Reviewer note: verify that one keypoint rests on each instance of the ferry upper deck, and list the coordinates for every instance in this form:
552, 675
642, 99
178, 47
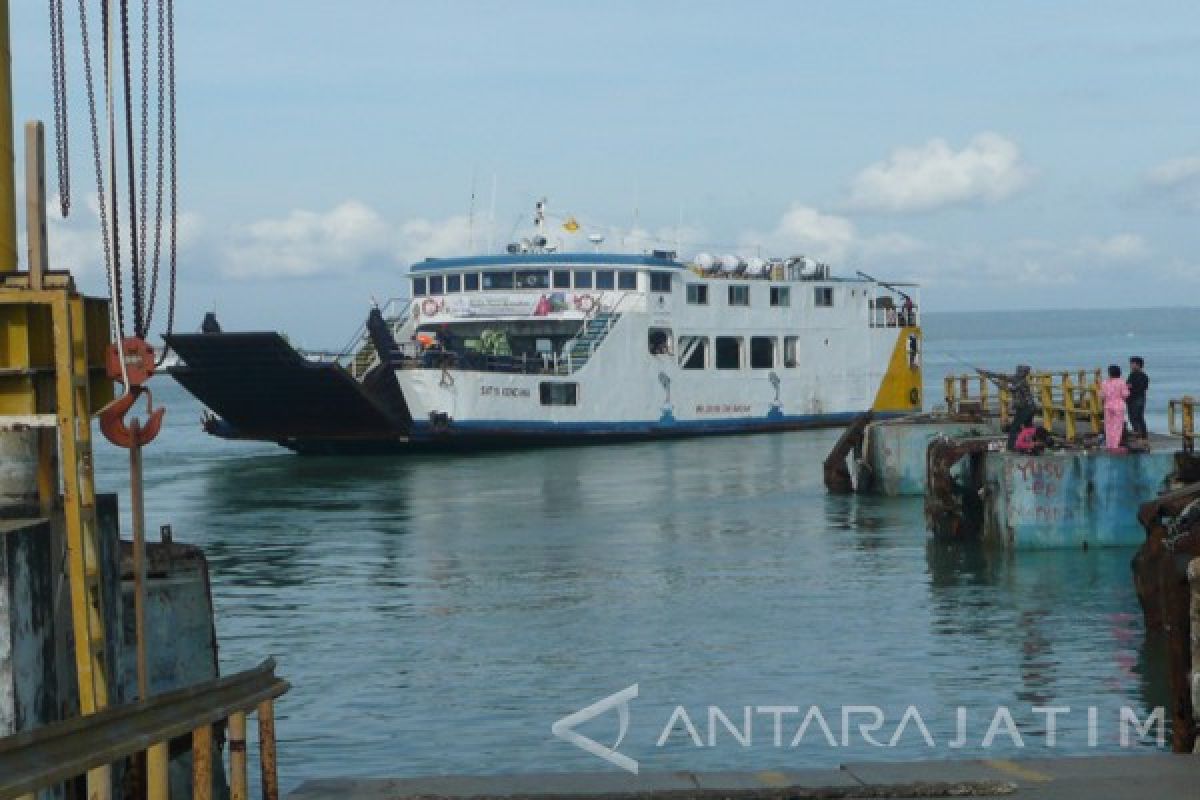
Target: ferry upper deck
573, 285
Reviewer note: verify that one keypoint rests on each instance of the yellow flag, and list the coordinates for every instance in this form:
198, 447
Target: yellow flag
571, 225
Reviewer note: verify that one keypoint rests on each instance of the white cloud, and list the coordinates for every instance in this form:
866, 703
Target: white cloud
349, 237
934, 175
805, 230
1175, 172
1120, 247
307, 242
1178, 180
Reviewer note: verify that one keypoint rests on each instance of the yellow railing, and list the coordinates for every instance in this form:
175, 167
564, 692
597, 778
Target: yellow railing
1067, 399
1070, 398
974, 392
1181, 420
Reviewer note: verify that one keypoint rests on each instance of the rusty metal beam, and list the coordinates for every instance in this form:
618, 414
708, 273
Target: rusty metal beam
837, 475
53, 754
1160, 577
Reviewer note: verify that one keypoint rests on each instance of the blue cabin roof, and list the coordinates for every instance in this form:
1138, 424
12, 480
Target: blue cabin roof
534, 260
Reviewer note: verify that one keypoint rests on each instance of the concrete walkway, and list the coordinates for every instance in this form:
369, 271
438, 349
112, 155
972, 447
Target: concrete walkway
1161, 776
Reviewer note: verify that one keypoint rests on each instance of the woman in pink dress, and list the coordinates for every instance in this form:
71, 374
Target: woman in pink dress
1113, 392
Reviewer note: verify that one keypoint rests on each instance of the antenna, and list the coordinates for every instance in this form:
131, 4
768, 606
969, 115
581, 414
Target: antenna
471, 216
492, 220
636, 214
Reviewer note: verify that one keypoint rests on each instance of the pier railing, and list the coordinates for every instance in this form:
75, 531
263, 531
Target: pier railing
1181, 421
1069, 399
49, 756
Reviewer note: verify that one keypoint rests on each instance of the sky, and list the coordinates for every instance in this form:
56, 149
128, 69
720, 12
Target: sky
1005, 155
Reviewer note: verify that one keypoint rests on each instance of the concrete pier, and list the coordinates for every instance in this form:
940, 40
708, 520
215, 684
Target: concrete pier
1168, 777
893, 460
1069, 498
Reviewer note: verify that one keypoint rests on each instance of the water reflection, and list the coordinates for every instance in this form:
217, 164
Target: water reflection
437, 614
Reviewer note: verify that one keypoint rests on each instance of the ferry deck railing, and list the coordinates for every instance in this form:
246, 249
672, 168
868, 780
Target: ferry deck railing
1069, 399
46, 757
595, 342
358, 355
1181, 421
884, 317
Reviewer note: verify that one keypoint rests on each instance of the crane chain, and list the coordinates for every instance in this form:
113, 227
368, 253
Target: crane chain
136, 277
58, 78
143, 133
174, 195
114, 275
156, 256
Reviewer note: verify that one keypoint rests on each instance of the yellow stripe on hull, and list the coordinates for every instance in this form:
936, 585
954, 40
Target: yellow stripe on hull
900, 389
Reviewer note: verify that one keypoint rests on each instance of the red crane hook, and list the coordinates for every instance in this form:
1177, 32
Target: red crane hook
138, 360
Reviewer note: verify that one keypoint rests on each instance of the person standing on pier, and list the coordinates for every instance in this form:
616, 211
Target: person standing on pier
1114, 392
1139, 383
1021, 394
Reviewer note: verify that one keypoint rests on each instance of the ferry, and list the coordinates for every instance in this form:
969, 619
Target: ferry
537, 346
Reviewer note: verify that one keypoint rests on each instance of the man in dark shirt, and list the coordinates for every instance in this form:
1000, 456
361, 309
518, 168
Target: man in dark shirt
1020, 395
1138, 382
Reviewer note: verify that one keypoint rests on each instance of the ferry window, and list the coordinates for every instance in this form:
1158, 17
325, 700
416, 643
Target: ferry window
823, 296
605, 279
583, 279
436, 284
697, 294
762, 352
659, 341
533, 279
471, 282
739, 295
660, 281
453, 283
626, 280
781, 295
418, 287
693, 352
562, 279
729, 352
559, 394
791, 351
497, 280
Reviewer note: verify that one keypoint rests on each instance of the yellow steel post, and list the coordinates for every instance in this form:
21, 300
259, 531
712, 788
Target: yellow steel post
8, 191
949, 385
983, 393
1094, 407
1046, 395
79, 509
157, 772
1068, 393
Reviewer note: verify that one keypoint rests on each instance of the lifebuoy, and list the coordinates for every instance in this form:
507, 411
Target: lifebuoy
429, 306
585, 303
